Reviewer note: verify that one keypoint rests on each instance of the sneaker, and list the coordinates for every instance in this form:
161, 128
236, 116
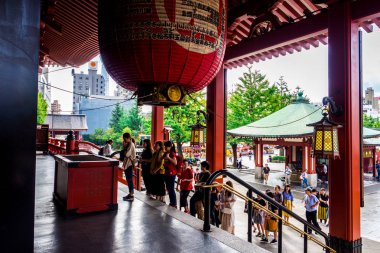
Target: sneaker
258, 234
129, 198
273, 241
264, 240
125, 197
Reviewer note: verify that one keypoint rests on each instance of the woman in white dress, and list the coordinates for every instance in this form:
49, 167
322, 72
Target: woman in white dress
228, 200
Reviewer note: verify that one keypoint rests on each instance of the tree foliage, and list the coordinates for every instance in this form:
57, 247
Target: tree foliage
121, 121
41, 108
116, 118
180, 118
134, 120
370, 122
254, 98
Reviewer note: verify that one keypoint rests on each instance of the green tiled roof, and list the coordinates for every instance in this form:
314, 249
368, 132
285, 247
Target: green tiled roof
370, 133
288, 122
372, 142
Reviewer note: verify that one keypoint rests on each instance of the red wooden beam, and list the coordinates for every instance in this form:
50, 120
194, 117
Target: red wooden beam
367, 26
297, 47
304, 29
296, 7
376, 21
287, 11
364, 10
309, 5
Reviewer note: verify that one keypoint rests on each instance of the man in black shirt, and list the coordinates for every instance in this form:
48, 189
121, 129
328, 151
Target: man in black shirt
198, 195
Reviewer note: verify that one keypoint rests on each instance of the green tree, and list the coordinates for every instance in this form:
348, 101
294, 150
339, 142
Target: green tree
181, 117
254, 98
41, 108
116, 118
133, 120
370, 122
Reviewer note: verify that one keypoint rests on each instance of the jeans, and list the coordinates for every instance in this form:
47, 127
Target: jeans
170, 182
196, 197
214, 216
311, 217
183, 198
304, 181
129, 177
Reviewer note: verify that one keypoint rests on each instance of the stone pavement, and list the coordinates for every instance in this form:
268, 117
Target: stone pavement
140, 226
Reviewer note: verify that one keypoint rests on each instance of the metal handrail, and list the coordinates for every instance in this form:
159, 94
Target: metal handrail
266, 210
307, 225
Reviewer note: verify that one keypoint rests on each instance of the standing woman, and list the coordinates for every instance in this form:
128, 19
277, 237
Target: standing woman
288, 201
186, 185
170, 165
228, 215
128, 162
157, 172
323, 205
146, 157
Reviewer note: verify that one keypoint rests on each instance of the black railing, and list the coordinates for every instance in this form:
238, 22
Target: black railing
281, 208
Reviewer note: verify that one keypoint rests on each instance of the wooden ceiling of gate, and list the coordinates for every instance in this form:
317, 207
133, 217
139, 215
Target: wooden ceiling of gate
69, 28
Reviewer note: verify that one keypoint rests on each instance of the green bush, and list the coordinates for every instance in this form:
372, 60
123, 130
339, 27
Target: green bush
278, 158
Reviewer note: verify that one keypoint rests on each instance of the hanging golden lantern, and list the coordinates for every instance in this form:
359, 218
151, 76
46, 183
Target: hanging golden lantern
197, 131
325, 139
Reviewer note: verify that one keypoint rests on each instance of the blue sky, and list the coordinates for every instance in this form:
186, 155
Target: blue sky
307, 69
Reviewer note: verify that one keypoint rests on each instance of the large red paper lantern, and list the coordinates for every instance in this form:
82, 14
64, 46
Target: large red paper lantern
162, 48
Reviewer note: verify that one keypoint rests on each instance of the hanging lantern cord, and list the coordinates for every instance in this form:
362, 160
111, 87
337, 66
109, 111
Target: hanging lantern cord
205, 115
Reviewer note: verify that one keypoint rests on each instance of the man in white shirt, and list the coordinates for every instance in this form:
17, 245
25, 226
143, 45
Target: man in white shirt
288, 173
128, 162
107, 149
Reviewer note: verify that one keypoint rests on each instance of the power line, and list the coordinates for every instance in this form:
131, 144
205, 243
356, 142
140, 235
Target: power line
97, 108
71, 92
51, 71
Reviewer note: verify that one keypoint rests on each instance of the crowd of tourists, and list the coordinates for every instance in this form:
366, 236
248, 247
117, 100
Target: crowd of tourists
316, 207
161, 167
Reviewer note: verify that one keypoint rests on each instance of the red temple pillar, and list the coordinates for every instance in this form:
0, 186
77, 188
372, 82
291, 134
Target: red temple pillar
308, 163
258, 159
344, 175
216, 125
157, 124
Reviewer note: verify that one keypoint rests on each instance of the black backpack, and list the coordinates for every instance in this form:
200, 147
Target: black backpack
101, 151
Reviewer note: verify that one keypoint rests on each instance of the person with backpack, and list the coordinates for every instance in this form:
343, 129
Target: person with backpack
170, 164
